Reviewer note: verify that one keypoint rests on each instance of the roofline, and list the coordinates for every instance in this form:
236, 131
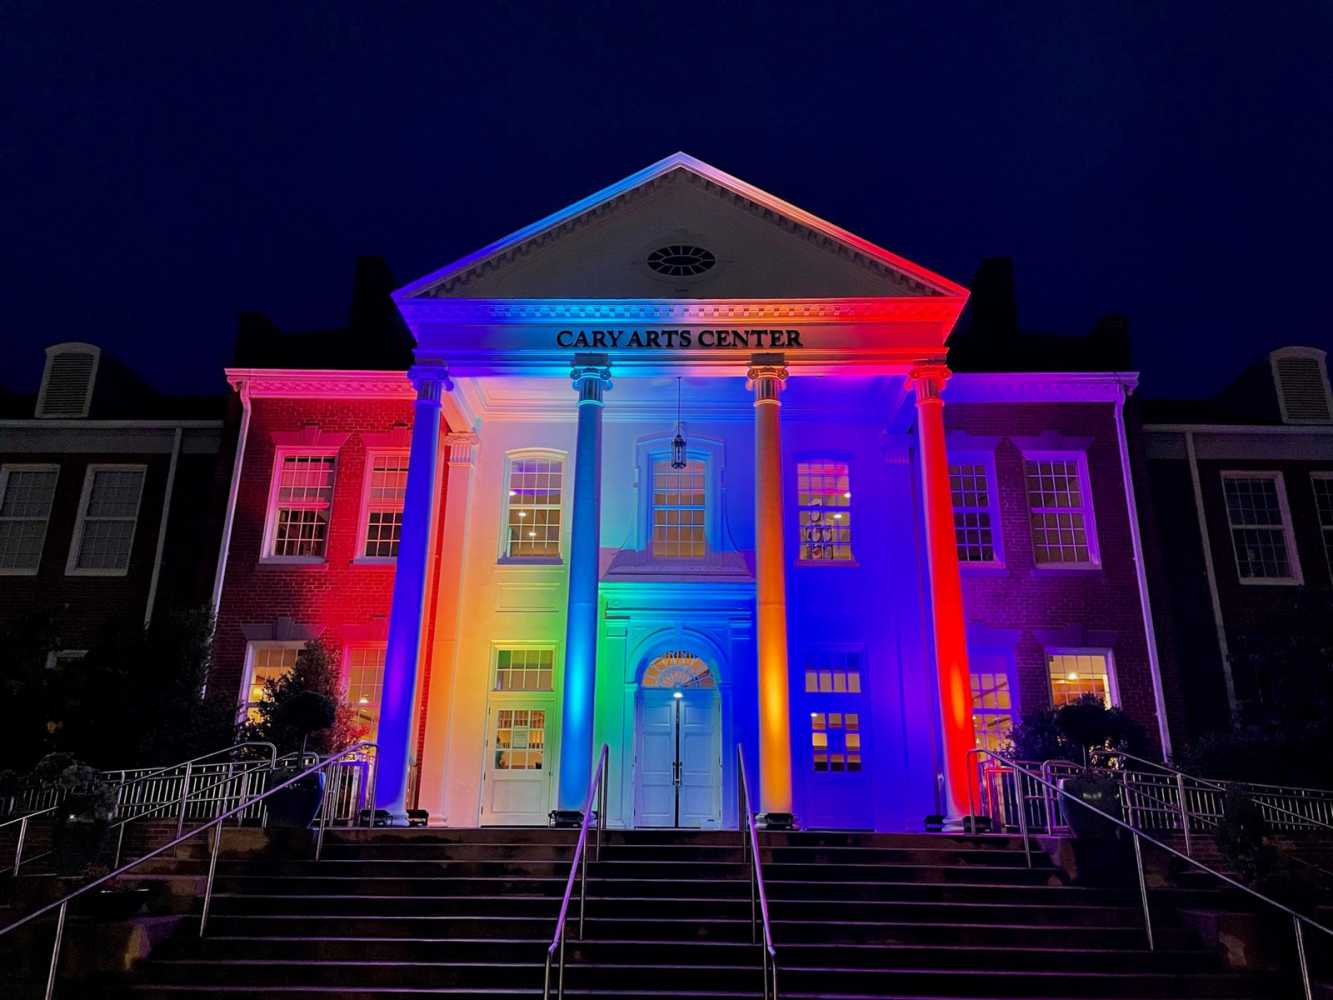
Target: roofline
683, 160
1321, 429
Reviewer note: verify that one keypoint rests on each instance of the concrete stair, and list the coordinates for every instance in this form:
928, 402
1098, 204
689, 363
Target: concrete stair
468, 914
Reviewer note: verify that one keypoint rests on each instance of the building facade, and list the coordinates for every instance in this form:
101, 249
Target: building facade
105, 497
677, 469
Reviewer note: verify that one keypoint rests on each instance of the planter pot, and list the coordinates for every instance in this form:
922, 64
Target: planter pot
1084, 823
117, 903
297, 805
77, 837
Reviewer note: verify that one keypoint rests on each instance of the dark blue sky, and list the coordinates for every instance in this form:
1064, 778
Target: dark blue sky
166, 166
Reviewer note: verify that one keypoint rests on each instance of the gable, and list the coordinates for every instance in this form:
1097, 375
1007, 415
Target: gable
681, 230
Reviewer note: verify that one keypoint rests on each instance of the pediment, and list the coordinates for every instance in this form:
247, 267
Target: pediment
681, 229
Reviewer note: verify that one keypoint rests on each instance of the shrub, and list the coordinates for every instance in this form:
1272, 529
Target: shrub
1070, 731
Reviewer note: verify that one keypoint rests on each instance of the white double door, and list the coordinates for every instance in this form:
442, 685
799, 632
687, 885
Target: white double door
678, 759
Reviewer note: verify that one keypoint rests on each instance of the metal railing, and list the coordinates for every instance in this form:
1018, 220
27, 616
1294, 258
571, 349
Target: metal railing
1299, 920
578, 869
758, 896
61, 906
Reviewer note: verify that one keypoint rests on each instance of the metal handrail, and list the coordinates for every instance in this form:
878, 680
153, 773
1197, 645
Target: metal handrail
1299, 920
750, 847
23, 834
215, 824
596, 792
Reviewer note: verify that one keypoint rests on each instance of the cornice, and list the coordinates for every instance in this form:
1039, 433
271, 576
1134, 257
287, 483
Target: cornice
876, 309
1039, 387
293, 383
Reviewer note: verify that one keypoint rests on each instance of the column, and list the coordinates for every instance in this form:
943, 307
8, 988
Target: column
766, 376
461, 449
403, 654
591, 376
946, 587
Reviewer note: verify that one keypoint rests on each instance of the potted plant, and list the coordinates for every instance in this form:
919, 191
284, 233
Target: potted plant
87, 802
304, 712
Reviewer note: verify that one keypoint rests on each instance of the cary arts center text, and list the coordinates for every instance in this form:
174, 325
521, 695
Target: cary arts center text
679, 339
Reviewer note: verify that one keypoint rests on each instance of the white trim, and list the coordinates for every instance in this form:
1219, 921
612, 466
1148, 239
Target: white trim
1311, 354
280, 453
1294, 578
1210, 568
1080, 458
76, 540
365, 507
5, 470
986, 459
55, 351
162, 528
1112, 682
1222, 430
243, 704
64, 423
502, 552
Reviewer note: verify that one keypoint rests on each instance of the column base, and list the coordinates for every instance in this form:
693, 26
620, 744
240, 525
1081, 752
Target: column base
937, 823
387, 817
776, 821
564, 819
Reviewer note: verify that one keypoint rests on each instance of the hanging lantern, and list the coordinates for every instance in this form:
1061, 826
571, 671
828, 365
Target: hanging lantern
678, 460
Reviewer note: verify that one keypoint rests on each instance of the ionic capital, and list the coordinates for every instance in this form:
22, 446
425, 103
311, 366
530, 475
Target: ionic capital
591, 375
928, 378
461, 447
766, 376
431, 381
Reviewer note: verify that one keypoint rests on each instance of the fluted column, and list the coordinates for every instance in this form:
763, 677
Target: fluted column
766, 377
402, 656
591, 376
946, 587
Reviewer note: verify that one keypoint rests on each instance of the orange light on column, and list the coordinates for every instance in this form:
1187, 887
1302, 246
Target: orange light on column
946, 588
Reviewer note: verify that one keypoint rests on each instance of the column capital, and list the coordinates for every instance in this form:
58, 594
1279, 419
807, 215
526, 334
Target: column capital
431, 381
462, 447
591, 376
766, 376
928, 378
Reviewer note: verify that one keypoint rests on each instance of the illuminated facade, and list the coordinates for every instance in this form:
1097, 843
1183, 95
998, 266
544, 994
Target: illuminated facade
852, 562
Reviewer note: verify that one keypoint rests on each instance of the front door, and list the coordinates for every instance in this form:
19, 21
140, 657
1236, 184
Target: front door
678, 760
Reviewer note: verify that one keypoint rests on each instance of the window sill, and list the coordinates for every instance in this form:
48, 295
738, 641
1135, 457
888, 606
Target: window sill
983, 568
1274, 581
98, 572
1063, 569
292, 561
18, 572
375, 561
529, 561
828, 563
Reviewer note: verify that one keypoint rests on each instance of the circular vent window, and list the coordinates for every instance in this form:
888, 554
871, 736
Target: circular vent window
681, 260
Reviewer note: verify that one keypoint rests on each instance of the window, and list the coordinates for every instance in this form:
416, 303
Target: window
1323, 499
532, 521
821, 681
268, 663
678, 510
386, 486
973, 514
992, 709
524, 669
677, 668
1260, 527
1060, 511
26, 492
1077, 673
104, 533
302, 500
835, 741
520, 739
365, 685
824, 506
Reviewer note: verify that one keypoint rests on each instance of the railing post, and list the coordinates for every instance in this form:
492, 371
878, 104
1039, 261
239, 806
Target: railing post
1143, 892
560, 982
1300, 955
1184, 813
185, 798
120, 842
212, 871
1023, 818
18, 851
55, 951
583, 886
323, 812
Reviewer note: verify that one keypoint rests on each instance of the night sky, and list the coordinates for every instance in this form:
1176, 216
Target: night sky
166, 166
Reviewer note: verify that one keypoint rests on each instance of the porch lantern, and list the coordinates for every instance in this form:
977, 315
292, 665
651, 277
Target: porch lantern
678, 460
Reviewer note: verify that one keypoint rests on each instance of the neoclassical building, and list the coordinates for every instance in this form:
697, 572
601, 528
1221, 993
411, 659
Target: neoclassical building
677, 468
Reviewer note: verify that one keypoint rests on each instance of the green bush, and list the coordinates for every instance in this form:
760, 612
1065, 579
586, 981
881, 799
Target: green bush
1072, 730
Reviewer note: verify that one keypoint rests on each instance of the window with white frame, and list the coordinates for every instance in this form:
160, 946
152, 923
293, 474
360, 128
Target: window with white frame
532, 513
1059, 511
992, 709
386, 488
824, 511
679, 508
1323, 499
520, 739
108, 510
524, 669
835, 741
26, 493
973, 512
302, 502
1260, 527
1077, 673
267, 663
365, 685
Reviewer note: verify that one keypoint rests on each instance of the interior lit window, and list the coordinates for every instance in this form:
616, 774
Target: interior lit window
532, 519
824, 511
835, 741
992, 710
269, 663
301, 510
679, 506
520, 739
1074, 675
365, 685
524, 669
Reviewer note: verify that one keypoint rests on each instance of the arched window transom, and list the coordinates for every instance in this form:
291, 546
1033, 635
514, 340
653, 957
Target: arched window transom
678, 668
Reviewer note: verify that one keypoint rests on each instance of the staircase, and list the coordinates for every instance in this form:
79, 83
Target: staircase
468, 914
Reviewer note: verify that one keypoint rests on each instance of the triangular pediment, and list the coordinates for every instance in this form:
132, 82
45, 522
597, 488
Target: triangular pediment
681, 229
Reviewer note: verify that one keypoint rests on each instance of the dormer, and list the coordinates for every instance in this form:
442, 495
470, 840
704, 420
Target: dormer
1300, 379
67, 382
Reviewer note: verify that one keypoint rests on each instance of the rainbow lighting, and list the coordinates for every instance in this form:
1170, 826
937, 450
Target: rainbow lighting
827, 552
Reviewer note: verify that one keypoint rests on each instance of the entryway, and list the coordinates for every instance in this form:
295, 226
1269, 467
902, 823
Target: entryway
678, 746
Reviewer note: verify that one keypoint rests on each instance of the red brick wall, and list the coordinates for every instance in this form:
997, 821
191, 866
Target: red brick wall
1104, 602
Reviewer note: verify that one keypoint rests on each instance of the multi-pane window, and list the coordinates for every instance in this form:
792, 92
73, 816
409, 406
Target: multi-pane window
523, 669
384, 505
365, 685
532, 527
1323, 498
520, 739
835, 741
25, 507
1059, 512
824, 511
832, 681
268, 664
1074, 675
105, 530
301, 517
972, 517
1257, 516
678, 510
992, 710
